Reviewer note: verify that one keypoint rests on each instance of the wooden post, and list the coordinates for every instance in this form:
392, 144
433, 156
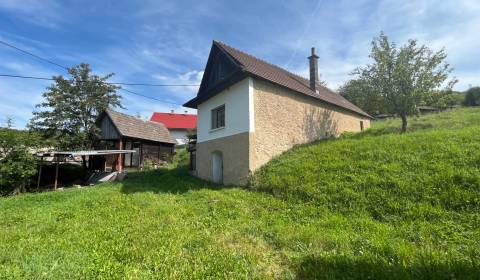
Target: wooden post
39, 173
56, 175
119, 163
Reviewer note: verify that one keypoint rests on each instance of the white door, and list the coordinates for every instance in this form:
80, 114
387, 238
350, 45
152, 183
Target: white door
217, 167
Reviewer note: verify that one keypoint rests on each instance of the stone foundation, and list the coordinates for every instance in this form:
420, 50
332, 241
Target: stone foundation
235, 154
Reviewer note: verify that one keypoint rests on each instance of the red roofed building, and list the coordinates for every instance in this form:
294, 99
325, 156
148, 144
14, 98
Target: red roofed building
177, 124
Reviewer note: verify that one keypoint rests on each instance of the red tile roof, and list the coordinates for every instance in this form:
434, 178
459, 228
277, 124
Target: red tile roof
282, 77
172, 120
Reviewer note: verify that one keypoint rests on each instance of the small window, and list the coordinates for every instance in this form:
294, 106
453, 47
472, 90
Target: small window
361, 125
218, 117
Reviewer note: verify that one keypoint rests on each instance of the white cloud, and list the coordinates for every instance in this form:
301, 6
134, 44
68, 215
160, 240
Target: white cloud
342, 34
44, 13
193, 77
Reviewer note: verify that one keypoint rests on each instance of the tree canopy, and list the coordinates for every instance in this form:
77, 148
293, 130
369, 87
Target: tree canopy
400, 79
361, 93
71, 107
472, 97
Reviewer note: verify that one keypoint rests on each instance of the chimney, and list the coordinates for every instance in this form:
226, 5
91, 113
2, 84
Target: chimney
313, 70
172, 111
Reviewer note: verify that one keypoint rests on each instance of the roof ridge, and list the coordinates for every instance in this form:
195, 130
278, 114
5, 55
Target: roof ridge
134, 117
270, 64
182, 114
283, 77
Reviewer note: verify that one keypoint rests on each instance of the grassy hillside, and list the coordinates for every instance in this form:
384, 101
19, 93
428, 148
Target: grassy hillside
372, 205
417, 194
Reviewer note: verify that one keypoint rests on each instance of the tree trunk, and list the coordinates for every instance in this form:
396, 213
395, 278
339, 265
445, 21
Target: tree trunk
84, 162
404, 123
20, 188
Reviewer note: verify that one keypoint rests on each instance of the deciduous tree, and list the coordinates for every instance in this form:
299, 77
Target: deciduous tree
71, 107
403, 78
361, 93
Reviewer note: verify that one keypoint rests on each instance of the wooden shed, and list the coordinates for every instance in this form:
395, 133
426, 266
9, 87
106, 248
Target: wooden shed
150, 140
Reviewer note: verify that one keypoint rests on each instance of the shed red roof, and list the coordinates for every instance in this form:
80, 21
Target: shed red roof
172, 120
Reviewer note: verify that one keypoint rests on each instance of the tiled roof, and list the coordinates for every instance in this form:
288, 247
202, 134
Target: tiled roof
282, 77
172, 120
130, 126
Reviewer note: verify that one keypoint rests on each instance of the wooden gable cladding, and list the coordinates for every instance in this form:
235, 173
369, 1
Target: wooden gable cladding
221, 71
108, 131
221, 67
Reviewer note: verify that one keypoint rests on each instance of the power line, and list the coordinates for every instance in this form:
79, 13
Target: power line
26, 77
153, 98
31, 54
155, 85
66, 68
110, 83
126, 90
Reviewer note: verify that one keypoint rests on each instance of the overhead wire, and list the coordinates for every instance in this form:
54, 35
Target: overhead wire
124, 89
111, 83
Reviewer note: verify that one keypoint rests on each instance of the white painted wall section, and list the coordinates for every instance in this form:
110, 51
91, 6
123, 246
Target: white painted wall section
238, 101
251, 108
180, 135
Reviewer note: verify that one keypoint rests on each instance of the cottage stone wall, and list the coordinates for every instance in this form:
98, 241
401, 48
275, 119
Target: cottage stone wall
284, 118
235, 154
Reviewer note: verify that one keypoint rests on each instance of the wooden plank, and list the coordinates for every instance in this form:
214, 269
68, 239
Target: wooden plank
56, 175
39, 173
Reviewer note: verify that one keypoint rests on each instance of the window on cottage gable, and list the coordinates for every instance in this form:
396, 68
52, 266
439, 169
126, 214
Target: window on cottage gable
218, 117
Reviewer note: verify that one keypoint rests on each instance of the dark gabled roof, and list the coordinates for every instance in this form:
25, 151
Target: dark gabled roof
129, 126
253, 66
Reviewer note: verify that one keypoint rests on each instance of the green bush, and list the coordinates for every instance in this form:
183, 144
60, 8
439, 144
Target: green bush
472, 97
17, 163
148, 165
181, 157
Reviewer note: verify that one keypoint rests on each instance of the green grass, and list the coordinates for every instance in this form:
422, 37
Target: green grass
372, 205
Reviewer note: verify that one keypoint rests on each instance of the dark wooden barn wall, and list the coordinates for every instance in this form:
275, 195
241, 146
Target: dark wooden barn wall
157, 152
109, 132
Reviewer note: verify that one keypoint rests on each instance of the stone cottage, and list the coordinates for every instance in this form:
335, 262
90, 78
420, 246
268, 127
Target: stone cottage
250, 111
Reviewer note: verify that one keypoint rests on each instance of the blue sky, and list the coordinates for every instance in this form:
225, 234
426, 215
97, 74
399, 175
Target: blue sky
168, 41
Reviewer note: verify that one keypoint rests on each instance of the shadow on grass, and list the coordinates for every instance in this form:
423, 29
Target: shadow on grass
345, 268
164, 180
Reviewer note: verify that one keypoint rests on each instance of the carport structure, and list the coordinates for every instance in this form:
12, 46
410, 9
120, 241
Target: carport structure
61, 156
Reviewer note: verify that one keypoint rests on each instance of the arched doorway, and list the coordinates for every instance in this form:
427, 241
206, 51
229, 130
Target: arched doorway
217, 167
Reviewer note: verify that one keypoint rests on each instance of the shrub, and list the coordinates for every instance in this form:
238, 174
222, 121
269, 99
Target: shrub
17, 163
472, 97
148, 165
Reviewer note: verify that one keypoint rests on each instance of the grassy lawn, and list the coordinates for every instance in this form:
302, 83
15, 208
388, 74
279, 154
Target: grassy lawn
372, 205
